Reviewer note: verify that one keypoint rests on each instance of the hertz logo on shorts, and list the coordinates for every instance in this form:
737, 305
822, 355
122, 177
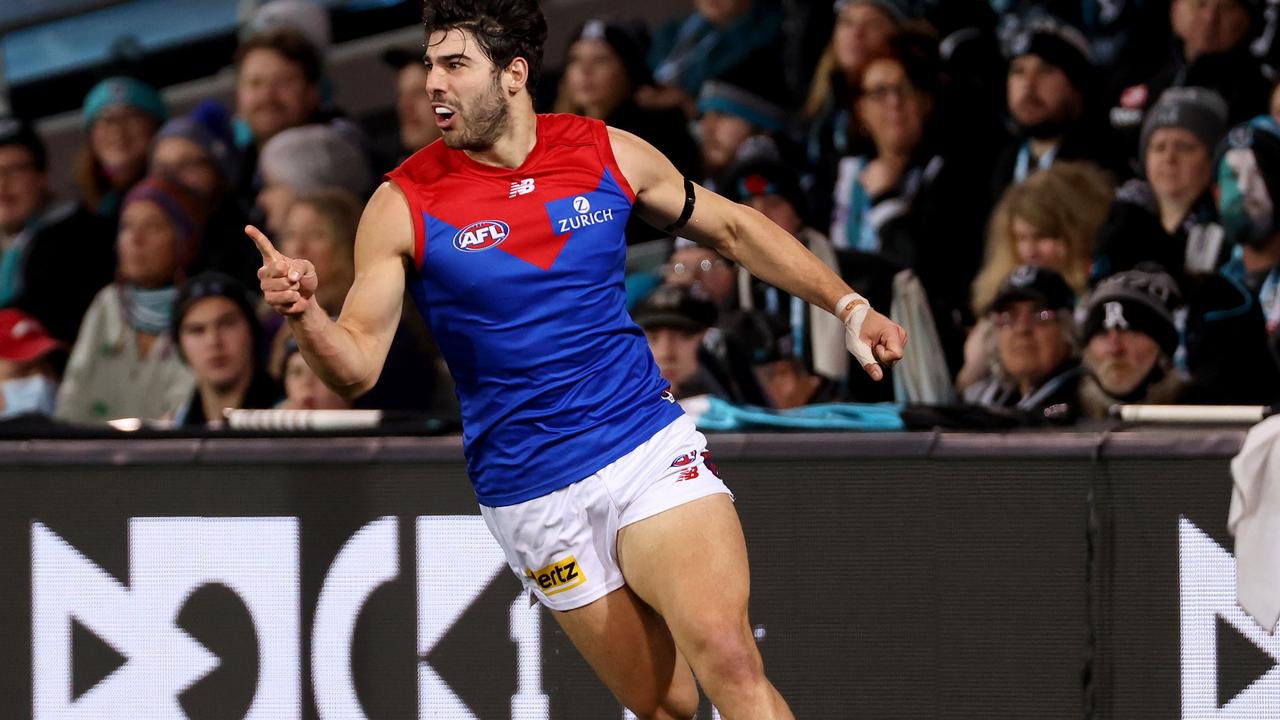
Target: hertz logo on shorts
558, 576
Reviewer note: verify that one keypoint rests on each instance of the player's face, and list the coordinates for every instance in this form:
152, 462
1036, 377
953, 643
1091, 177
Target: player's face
466, 91
1178, 165
217, 343
1120, 359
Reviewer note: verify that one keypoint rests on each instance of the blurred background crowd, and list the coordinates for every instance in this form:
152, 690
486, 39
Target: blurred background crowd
1068, 204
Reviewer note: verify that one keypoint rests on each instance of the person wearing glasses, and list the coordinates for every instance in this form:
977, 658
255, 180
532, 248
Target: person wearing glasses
1034, 351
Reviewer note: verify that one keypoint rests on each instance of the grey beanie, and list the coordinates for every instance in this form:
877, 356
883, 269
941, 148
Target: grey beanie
1199, 110
315, 156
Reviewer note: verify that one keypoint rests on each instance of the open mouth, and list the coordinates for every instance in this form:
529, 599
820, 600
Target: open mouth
444, 116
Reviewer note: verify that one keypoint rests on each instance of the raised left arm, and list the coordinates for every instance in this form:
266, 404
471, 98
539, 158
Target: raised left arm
743, 235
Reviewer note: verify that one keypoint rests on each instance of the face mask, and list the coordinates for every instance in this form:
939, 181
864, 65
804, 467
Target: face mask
31, 394
1245, 206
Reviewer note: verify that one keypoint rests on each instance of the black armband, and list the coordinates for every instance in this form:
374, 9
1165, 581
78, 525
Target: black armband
686, 213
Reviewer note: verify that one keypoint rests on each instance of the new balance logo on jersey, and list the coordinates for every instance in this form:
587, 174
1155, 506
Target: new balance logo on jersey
481, 235
524, 187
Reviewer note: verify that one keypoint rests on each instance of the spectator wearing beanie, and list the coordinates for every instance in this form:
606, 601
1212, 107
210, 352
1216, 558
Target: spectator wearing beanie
1169, 216
124, 362
1049, 86
740, 112
773, 188
1209, 48
1035, 368
716, 37
604, 68
37, 236
675, 321
121, 115
306, 158
217, 334
767, 341
198, 151
1130, 338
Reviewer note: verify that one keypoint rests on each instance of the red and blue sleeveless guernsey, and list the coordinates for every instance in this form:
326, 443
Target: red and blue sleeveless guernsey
519, 274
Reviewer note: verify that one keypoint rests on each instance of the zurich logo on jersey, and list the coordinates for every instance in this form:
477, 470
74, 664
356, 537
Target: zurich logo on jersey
481, 235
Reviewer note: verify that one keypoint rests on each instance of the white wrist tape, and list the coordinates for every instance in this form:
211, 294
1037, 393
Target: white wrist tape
853, 319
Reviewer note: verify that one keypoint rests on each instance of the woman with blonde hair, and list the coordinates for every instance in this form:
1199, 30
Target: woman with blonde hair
1048, 220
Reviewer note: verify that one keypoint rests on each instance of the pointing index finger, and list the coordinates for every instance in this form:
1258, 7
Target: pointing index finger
269, 252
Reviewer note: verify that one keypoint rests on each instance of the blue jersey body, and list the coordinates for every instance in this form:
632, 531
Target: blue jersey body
520, 277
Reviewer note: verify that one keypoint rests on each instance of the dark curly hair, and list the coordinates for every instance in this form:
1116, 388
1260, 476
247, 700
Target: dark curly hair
504, 29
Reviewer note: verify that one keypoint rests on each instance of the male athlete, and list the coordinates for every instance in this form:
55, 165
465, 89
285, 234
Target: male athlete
591, 478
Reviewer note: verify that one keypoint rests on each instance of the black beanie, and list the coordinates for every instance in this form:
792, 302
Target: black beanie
628, 39
1060, 45
1139, 301
215, 284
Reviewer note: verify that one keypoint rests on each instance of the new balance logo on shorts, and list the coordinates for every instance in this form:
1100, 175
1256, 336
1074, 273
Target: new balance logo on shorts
688, 474
558, 576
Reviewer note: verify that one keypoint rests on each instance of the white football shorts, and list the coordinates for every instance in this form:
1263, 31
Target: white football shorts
563, 546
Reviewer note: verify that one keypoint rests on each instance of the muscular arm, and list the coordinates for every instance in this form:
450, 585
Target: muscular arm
348, 354
744, 235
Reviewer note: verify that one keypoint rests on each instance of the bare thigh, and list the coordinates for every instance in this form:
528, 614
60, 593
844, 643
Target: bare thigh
631, 650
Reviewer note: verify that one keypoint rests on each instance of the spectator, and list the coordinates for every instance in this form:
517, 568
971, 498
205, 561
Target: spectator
124, 362
303, 389
198, 151
1048, 220
1034, 350
307, 158
738, 120
1051, 79
416, 118
277, 88
24, 194
719, 35
862, 31
121, 116
218, 336
37, 236
1210, 49
774, 189
913, 202
320, 225
30, 364
675, 321
1248, 173
770, 347
1130, 338
605, 67
1169, 217
309, 19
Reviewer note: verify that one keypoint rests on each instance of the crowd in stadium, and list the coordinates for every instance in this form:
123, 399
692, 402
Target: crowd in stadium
1068, 204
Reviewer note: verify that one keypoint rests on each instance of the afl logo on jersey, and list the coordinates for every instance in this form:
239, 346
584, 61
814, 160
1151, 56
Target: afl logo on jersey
481, 235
